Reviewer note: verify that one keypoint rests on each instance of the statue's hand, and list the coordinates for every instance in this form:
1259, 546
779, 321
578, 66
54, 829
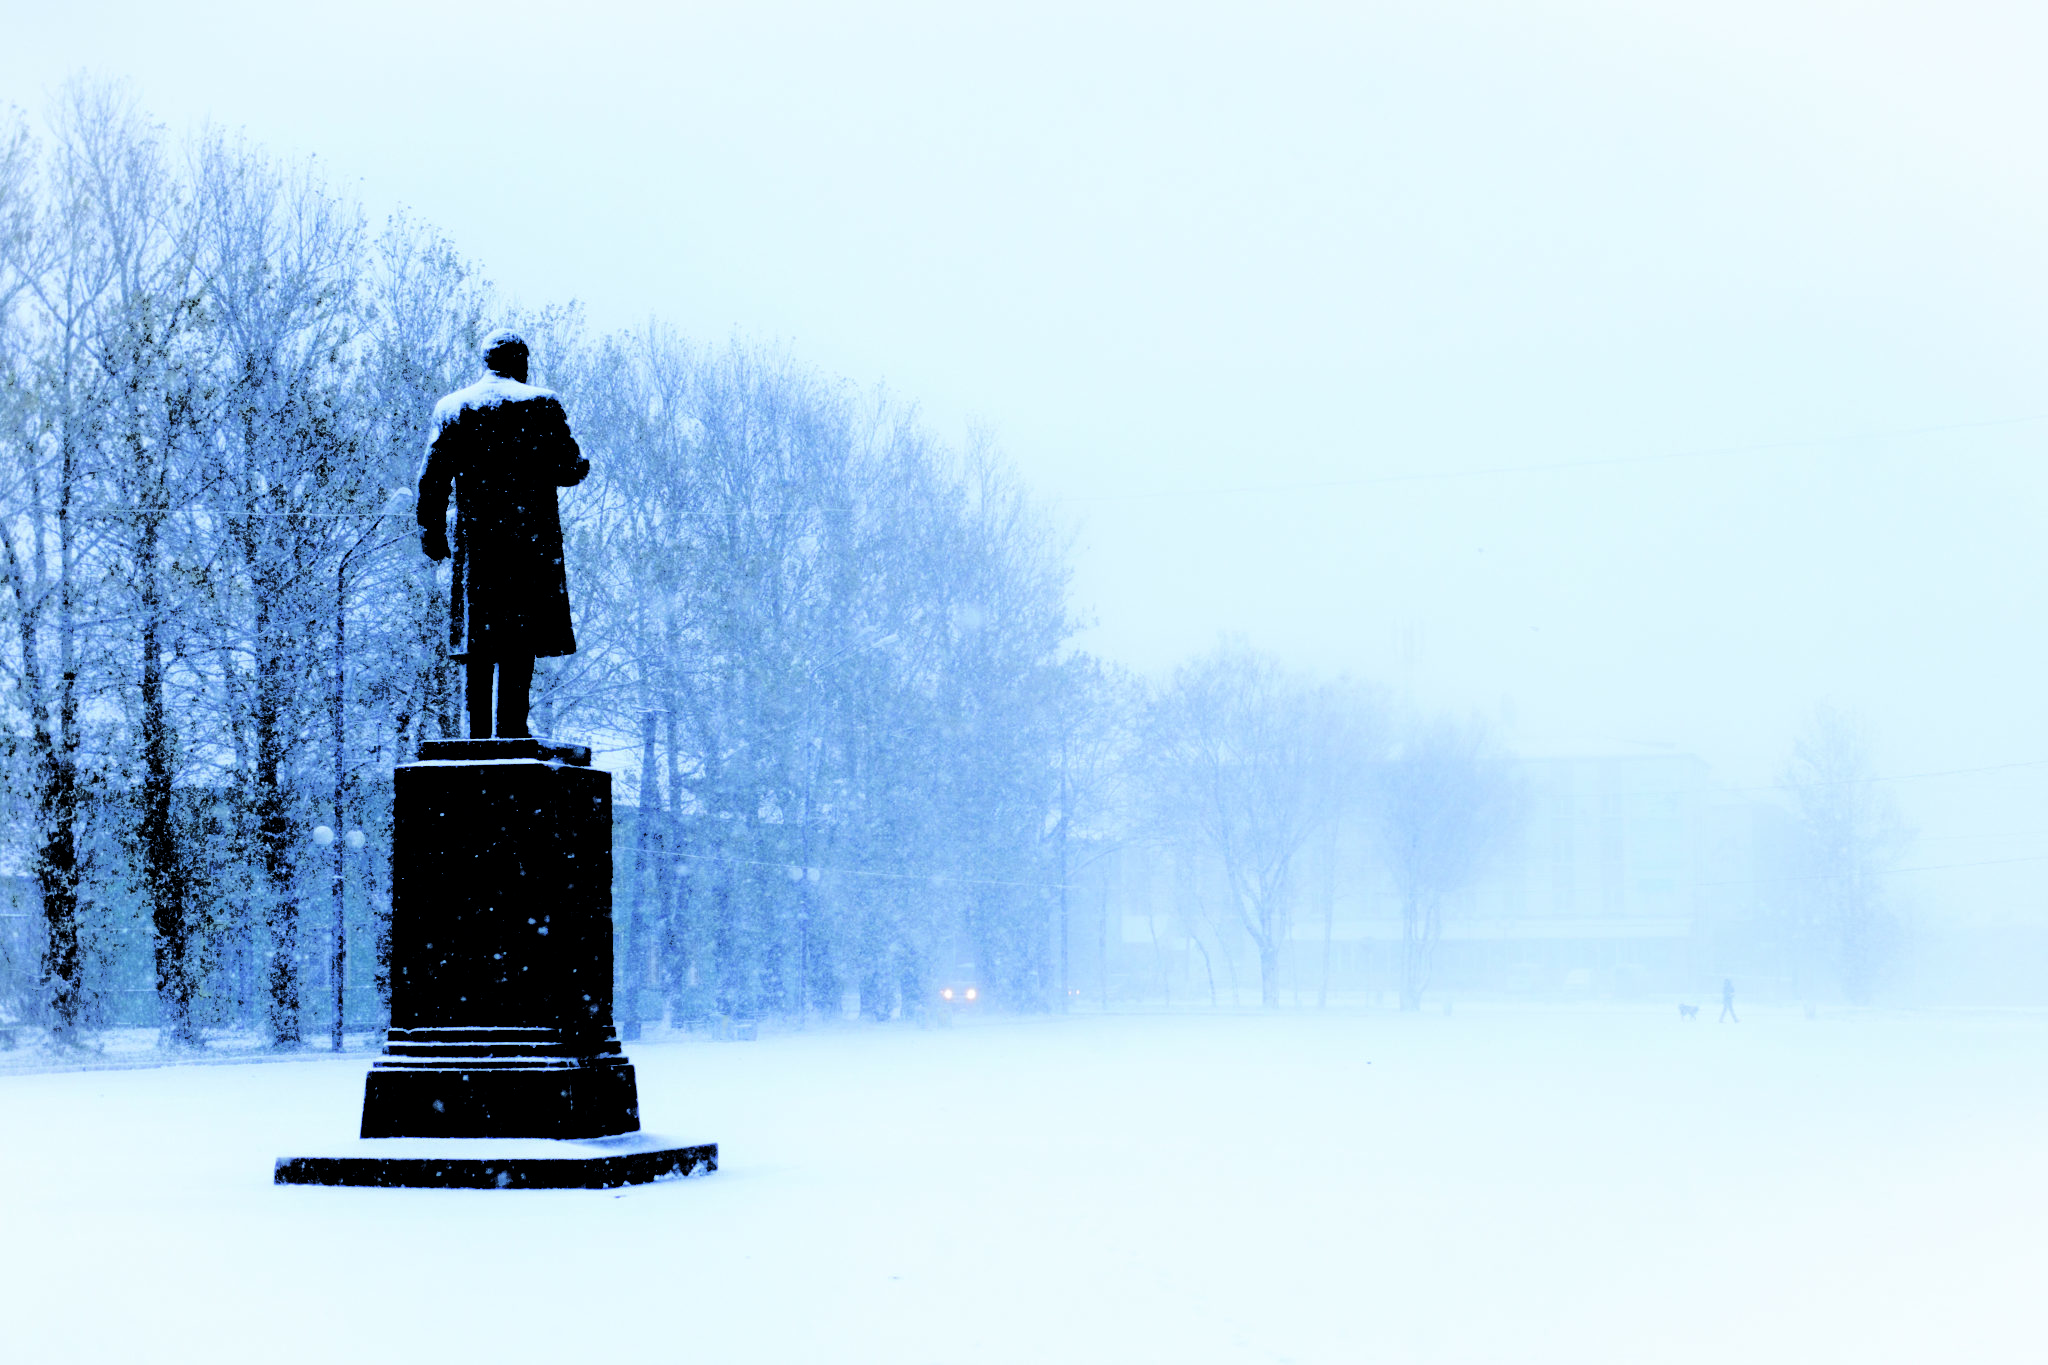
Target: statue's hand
434, 540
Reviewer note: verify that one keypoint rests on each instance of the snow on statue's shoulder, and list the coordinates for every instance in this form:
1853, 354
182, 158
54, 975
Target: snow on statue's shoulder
487, 392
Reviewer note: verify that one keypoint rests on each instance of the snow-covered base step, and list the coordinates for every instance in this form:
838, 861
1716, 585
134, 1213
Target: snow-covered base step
502, 1163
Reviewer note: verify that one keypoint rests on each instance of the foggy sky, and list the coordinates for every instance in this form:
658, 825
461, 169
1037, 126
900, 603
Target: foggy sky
1747, 295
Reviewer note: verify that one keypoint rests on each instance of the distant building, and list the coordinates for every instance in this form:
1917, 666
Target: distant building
1632, 873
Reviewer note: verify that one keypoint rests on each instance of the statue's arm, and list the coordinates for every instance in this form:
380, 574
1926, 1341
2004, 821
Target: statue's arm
570, 466
436, 481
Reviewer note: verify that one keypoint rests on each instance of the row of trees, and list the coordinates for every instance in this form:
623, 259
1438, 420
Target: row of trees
212, 381
832, 650
842, 651
830, 657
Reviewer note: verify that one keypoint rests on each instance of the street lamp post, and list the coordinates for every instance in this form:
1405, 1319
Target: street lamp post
337, 948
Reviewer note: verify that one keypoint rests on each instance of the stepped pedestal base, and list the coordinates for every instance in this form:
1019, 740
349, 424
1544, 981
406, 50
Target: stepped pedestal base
501, 1069
489, 1097
502, 1163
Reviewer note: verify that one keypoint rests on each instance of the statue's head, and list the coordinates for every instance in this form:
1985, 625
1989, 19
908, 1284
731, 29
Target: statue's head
505, 354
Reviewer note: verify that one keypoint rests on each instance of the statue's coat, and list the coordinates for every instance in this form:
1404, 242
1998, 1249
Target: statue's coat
503, 447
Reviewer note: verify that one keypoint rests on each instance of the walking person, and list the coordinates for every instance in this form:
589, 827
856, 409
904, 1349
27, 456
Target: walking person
1727, 1001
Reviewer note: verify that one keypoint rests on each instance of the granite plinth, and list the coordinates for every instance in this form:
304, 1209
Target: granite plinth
501, 950
502, 1163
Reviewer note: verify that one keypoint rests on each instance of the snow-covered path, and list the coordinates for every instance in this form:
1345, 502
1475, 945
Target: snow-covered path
1600, 1185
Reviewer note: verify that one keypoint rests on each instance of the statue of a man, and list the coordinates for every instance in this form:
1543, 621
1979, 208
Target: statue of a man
504, 447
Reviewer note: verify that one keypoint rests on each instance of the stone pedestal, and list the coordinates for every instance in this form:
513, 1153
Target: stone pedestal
501, 982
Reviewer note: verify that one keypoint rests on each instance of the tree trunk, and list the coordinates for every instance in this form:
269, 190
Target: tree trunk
1102, 947
643, 846
57, 876
57, 860
1159, 960
163, 875
274, 837
657, 938
1065, 991
1411, 954
337, 961
379, 892
1329, 914
678, 952
1269, 973
1421, 927
1230, 966
54, 863
1208, 967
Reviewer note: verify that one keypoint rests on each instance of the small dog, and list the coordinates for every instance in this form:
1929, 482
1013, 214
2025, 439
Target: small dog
1688, 1011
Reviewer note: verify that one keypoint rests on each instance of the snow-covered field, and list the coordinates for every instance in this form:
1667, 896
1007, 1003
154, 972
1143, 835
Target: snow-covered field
1510, 1185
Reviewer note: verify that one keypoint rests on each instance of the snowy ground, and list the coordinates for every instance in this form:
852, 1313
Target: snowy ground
1595, 1185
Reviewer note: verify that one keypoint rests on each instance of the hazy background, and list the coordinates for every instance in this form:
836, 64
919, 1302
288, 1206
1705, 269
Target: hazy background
1638, 378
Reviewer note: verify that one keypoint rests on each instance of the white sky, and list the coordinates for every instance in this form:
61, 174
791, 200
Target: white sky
1196, 266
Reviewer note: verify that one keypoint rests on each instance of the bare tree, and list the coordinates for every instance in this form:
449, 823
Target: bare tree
58, 266
1443, 802
1851, 834
426, 310
280, 258
148, 343
1245, 762
1094, 709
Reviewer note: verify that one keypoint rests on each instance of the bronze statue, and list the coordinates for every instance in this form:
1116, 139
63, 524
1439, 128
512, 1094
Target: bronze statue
503, 446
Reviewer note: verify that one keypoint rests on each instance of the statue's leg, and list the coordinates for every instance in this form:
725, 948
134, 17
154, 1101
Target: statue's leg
515, 681
479, 697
